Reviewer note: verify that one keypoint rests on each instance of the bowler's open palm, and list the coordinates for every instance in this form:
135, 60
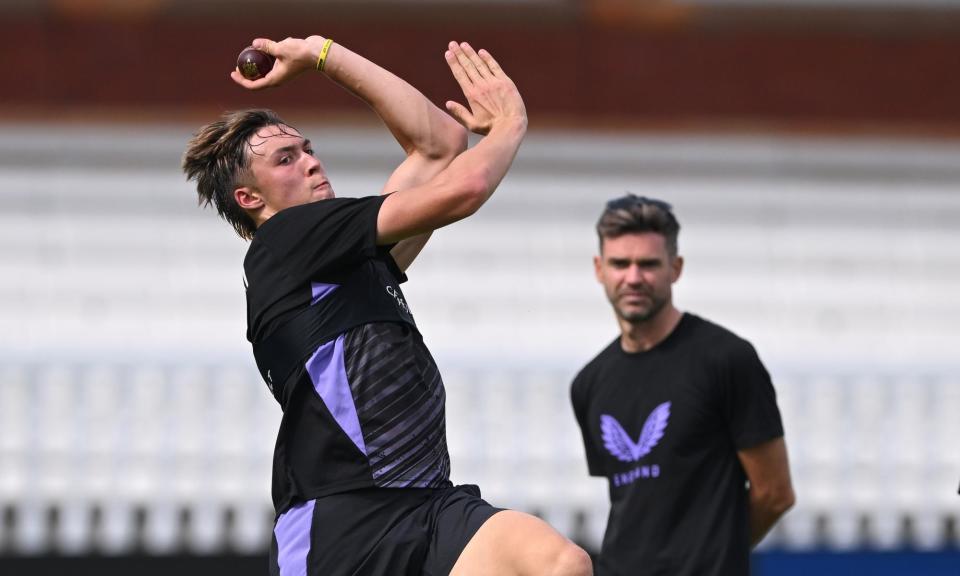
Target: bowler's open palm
491, 95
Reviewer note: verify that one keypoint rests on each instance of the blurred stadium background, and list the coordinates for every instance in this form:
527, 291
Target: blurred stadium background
811, 149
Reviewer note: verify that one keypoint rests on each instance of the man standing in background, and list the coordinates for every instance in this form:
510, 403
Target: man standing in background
679, 415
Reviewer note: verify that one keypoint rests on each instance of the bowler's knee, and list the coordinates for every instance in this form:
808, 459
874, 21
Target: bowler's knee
572, 560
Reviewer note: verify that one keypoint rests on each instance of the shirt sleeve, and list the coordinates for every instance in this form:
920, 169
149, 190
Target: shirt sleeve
578, 397
750, 402
326, 235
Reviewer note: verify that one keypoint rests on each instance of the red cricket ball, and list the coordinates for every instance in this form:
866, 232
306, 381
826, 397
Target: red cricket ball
253, 63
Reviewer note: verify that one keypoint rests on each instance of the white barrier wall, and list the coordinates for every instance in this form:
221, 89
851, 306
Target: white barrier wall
869, 451
131, 415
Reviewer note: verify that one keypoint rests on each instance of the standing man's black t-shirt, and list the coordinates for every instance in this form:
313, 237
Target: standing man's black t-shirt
363, 405
664, 426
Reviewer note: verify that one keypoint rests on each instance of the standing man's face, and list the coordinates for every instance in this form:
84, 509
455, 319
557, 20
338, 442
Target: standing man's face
285, 172
637, 274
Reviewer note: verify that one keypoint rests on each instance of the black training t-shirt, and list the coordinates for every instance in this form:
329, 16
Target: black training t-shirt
364, 407
663, 426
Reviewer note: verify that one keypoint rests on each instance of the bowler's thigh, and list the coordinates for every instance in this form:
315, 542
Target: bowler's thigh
512, 542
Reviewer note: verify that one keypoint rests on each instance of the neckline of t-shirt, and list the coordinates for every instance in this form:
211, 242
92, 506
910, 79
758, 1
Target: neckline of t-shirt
681, 325
284, 213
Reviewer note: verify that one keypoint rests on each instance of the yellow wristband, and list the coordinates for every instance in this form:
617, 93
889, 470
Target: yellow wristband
322, 60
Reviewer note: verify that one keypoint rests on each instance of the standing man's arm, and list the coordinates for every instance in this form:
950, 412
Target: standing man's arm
429, 136
771, 492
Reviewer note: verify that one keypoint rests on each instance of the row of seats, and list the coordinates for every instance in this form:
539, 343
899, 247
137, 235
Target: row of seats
215, 527
131, 415
124, 260
166, 437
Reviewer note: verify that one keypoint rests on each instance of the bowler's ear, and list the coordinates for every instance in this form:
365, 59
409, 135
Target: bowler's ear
247, 198
598, 267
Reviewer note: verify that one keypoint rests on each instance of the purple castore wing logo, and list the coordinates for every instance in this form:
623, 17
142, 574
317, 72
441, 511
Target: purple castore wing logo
622, 447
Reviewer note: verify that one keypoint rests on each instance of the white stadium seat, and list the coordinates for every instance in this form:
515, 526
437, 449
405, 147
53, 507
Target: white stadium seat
130, 403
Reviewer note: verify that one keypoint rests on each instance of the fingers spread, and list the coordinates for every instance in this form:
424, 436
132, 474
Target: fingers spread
479, 65
490, 94
461, 114
464, 60
456, 68
492, 64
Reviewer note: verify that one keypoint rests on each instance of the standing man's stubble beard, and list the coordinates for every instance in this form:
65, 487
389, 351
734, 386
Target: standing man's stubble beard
641, 316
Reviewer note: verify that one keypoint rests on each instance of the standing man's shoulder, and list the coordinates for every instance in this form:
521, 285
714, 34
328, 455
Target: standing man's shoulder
590, 371
745, 388
717, 340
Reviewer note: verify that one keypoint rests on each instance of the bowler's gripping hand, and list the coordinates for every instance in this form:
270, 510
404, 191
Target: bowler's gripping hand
491, 95
293, 56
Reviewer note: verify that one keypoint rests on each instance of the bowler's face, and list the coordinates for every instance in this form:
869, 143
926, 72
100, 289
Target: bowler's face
285, 171
637, 273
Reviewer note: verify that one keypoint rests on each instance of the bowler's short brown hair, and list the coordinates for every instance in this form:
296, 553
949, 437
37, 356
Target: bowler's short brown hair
216, 158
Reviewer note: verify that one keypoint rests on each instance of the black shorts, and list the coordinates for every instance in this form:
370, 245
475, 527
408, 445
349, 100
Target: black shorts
388, 531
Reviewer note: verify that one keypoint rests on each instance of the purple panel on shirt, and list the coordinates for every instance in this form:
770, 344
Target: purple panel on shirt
293, 539
329, 379
321, 291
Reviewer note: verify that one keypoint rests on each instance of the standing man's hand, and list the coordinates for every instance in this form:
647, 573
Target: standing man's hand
293, 57
491, 94
771, 491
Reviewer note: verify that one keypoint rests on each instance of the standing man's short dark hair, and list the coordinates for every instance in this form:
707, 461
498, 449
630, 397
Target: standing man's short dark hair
632, 214
678, 413
361, 472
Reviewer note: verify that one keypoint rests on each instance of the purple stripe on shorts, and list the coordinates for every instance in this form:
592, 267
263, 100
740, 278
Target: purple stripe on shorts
320, 291
329, 379
293, 539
